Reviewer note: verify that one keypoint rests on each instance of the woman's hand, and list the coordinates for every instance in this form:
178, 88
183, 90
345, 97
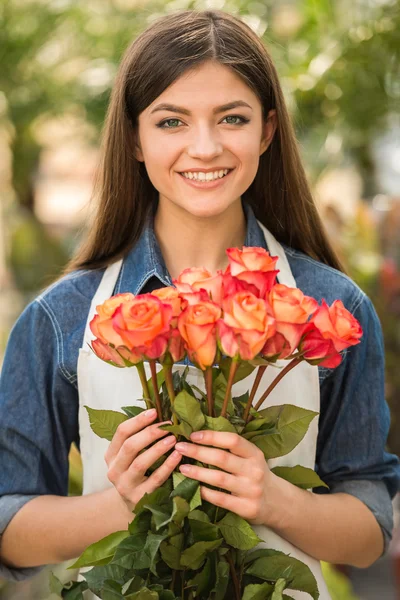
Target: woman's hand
127, 467
254, 490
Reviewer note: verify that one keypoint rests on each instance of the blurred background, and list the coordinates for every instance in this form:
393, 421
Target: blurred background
339, 66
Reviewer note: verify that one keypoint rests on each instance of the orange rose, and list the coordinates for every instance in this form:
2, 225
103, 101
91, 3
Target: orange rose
246, 325
250, 258
196, 279
170, 295
336, 323
253, 265
291, 309
101, 324
143, 324
197, 326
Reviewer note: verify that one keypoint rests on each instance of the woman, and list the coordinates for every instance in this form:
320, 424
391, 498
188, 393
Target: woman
198, 155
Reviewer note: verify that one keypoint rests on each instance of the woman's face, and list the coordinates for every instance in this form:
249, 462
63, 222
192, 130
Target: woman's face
196, 134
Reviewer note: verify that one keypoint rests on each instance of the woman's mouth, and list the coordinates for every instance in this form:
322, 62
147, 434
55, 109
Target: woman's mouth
203, 184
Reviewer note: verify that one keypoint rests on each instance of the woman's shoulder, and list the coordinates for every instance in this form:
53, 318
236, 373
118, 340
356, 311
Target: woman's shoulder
321, 281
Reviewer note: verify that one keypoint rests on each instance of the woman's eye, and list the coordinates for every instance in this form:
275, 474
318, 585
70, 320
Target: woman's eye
243, 120
163, 124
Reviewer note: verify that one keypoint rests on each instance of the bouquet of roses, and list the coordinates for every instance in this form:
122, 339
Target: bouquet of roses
180, 546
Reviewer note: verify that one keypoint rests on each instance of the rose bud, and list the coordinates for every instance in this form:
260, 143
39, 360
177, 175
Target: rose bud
196, 279
101, 324
336, 323
318, 350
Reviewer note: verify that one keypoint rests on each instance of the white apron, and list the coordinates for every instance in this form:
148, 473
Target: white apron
102, 386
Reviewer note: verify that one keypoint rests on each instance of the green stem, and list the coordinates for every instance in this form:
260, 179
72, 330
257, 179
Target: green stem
208, 377
233, 575
289, 367
145, 387
232, 373
260, 373
170, 389
155, 388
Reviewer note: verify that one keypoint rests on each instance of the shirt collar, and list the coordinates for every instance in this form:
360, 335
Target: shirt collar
145, 260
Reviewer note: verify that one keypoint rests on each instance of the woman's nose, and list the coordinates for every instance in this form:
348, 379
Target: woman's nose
205, 145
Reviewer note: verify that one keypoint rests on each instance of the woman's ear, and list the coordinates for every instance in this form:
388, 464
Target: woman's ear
269, 128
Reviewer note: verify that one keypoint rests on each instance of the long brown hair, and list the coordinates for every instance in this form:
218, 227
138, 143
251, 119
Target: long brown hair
279, 194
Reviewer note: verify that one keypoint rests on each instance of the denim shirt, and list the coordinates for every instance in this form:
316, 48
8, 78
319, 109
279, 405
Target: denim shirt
39, 394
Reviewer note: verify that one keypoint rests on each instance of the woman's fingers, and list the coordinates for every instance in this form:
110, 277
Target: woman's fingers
237, 444
214, 477
126, 430
147, 458
213, 456
132, 446
161, 474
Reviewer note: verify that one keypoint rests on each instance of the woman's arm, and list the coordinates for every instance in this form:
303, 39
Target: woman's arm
52, 529
337, 528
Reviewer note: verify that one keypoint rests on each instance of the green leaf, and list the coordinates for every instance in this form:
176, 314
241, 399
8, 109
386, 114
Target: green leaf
188, 409
157, 498
140, 524
237, 532
301, 476
257, 591
203, 581
143, 594
104, 423
75, 592
151, 549
130, 553
180, 511
194, 556
111, 590
243, 371
199, 515
55, 585
257, 424
219, 424
219, 389
272, 565
98, 575
292, 423
222, 580
203, 531
101, 552
182, 429
161, 516
280, 585
186, 488
171, 555
133, 585
133, 411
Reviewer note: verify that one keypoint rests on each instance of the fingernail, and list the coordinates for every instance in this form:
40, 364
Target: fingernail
197, 435
176, 454
185, 468
150, 413
169, 440
182, 446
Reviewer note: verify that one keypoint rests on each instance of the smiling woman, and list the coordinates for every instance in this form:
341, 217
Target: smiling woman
199, 156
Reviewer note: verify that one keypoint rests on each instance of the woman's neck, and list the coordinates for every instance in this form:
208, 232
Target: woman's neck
188, 241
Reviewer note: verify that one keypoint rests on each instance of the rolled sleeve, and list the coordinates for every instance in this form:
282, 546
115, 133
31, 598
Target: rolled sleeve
38, 419
354, 425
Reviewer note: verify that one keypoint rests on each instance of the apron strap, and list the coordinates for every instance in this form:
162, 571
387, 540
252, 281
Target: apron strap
285, 275
103, 293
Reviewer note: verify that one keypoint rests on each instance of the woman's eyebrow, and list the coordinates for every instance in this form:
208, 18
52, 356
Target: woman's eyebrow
185, 111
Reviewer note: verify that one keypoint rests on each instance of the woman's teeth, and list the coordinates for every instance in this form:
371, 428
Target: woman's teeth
199, 176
